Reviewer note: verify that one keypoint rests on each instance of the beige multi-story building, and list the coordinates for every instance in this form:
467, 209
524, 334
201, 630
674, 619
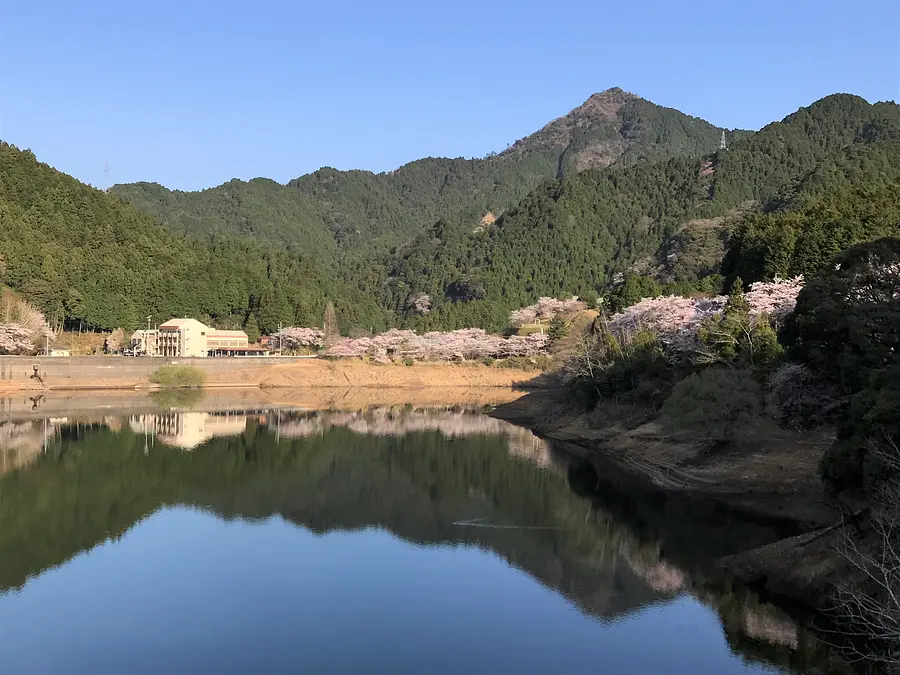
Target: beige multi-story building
190, 338
183, 338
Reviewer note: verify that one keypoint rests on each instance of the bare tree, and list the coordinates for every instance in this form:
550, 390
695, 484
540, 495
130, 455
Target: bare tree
868, 603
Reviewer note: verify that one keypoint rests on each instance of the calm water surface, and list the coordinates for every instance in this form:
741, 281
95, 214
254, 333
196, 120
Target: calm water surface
384, 541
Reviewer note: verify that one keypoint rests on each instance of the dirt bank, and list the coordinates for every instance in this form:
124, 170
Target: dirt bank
770, 473
353, 373
804, 569
98, 404
91, 373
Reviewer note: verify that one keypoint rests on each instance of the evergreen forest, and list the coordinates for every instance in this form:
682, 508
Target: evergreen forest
618, 199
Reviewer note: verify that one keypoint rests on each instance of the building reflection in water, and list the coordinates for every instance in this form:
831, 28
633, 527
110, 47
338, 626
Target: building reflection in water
187, 430
604, 548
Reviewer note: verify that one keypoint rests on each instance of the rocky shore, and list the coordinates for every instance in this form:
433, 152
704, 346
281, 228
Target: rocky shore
769, 476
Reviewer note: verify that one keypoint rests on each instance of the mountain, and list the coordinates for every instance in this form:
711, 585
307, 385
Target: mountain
359, 210
578, 234
670, 210
89, 260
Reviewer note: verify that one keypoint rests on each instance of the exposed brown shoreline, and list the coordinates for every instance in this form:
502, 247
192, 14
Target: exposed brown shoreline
99, 373
768, 479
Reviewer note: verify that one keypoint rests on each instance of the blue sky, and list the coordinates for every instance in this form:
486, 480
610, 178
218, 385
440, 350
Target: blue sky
191, 94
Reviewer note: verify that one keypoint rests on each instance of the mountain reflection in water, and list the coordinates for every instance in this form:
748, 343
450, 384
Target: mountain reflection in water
429, 476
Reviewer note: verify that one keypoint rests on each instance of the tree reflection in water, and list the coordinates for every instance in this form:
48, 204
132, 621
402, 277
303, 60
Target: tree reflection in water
426, 475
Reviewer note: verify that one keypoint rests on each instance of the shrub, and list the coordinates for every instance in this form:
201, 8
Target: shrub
869, 430
173, 376
735, 336
717, 403
797, 397
846, 323
557, 329
607, 365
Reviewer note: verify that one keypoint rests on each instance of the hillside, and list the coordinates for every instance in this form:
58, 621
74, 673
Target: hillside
778, 201
89, 260
357, 210
578, 234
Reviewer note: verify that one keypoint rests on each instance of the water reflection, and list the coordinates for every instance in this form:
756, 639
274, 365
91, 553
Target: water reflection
429, 476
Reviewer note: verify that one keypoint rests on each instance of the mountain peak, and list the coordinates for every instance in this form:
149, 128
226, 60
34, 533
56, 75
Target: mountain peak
604, 105
616, 126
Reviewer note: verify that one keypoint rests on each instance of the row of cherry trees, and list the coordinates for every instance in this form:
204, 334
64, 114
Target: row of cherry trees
546, 309
675, 320
464, 344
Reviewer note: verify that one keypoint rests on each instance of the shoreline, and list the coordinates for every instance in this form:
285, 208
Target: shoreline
97, 373
760, 485
100, 403
797, 568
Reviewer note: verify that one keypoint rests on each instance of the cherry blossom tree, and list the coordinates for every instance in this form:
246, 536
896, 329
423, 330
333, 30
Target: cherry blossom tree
421, 304
22, 327
776, 299
676, 320
546, 309
463, 344
295, 338
15, 339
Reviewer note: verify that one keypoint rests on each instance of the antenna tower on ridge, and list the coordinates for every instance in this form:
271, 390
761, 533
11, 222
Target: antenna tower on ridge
722, 145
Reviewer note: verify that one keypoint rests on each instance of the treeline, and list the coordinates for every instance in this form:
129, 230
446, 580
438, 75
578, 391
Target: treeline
819, 181
360, 211
88, 260
779, 201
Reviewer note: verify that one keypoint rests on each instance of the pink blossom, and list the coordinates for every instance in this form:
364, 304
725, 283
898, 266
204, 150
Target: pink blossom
463, 344
293, 337
421, 304
675, 320
546, 309
775, 298
15, 339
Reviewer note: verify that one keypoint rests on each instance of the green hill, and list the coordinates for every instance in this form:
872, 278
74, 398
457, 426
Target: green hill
357, 210
87, 259
579, 234
618, 188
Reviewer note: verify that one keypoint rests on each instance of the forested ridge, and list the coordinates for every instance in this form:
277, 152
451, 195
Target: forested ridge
361, 210
823, 179
618, 194
87, 259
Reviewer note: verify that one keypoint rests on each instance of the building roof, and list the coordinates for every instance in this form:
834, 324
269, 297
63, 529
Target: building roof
177, 324
227, 334
240, 349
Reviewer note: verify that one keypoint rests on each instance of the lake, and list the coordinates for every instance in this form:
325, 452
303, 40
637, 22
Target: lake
388, 540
